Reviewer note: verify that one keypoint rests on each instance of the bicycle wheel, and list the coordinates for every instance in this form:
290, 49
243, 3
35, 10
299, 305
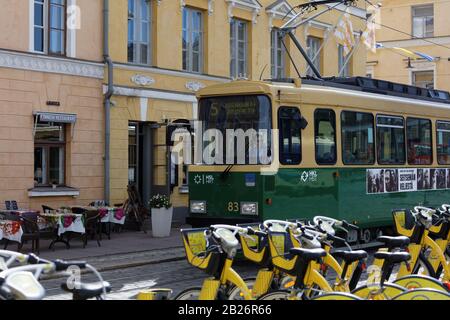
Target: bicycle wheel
235, 293
189, 294
390, 290
337, 296
413, 282
276, 295
423, 294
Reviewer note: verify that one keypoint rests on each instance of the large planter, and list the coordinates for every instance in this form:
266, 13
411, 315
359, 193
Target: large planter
161, 222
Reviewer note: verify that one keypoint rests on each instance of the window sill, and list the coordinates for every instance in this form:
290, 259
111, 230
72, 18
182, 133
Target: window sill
53, 192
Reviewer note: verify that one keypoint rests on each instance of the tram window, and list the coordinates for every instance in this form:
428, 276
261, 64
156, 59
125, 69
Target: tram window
289, 124
443, 142
391, 140
419, 141
325, 136
357, 138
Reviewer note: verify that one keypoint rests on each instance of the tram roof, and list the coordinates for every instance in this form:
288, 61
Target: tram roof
360, 86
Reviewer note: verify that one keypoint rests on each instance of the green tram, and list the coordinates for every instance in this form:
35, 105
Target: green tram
348, 148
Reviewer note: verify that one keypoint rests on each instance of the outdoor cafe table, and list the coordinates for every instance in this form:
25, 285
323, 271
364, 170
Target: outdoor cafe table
109, 214
11, 230
62, 223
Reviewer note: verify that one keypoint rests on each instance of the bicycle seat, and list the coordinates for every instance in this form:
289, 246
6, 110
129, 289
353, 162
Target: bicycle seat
394, 242
393, 257
350, 256
85, 291
308, 254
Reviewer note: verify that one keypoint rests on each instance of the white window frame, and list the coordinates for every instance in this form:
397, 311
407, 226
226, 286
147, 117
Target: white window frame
318, 60
189, 52
137, 34
341, 60
277, 71
423, 22
69, 35
416, 70
234, 46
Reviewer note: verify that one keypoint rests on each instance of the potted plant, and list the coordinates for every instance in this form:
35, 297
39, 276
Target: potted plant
162, 212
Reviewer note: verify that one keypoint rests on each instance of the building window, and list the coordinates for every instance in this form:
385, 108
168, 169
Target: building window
391, 140
423, 79
278, 55
290, 135
325, 136
419, 141
49, 154
357, 138
139, 27
238, 44
192, 40
344, 71
423, 21
313, 51
50, 26
443, 142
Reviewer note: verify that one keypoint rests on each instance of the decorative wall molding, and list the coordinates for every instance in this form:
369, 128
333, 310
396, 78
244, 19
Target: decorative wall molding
153, 94
249, 5
168, 72
279, 10
142, 80
194, 86
42, 63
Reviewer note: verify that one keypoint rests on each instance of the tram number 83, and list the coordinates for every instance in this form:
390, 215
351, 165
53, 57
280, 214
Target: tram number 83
233, 206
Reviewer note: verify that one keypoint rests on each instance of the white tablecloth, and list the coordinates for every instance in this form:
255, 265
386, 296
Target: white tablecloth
9, 230
65, 222
113, 215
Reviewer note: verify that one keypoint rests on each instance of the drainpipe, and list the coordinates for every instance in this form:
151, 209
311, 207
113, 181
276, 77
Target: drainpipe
108, 94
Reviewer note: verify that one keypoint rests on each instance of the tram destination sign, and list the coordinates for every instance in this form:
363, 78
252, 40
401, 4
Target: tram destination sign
406, 180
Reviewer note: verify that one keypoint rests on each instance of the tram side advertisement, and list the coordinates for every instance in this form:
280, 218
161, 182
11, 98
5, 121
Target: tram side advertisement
407, 180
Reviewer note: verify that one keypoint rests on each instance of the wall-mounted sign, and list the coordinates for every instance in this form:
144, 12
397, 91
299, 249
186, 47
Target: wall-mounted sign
53, 103
56, 117
407, 180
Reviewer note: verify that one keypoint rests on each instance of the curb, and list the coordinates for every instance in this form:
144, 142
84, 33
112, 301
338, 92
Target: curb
122, 265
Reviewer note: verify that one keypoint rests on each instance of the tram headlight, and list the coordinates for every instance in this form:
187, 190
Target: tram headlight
198, 206
249, 208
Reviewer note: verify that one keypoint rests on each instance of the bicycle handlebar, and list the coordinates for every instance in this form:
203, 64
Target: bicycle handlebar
281, 222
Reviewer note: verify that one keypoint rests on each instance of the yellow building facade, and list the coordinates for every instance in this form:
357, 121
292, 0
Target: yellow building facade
165, 51
417, 26
51, 102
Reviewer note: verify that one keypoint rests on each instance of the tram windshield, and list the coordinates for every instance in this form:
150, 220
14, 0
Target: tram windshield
236, 129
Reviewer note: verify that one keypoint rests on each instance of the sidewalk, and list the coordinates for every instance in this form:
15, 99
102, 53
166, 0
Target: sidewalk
125, 249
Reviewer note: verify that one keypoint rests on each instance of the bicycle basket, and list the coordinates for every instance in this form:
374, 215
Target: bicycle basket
197, 253
280, 244
254, 247
403, 222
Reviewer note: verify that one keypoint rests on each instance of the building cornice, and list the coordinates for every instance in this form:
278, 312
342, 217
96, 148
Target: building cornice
167, 72
43, 63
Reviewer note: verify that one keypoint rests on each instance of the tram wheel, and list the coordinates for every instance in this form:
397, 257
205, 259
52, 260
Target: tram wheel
365, 236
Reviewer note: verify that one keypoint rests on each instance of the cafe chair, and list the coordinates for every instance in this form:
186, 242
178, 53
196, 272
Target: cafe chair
92, 225
45, 208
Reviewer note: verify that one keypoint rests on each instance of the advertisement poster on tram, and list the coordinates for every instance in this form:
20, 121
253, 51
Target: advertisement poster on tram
407, 180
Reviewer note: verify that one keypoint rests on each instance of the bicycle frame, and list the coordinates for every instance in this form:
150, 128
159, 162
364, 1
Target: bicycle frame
437, 255
211, 286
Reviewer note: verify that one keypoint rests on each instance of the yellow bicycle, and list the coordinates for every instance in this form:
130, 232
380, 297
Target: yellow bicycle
213, 250
427, 255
